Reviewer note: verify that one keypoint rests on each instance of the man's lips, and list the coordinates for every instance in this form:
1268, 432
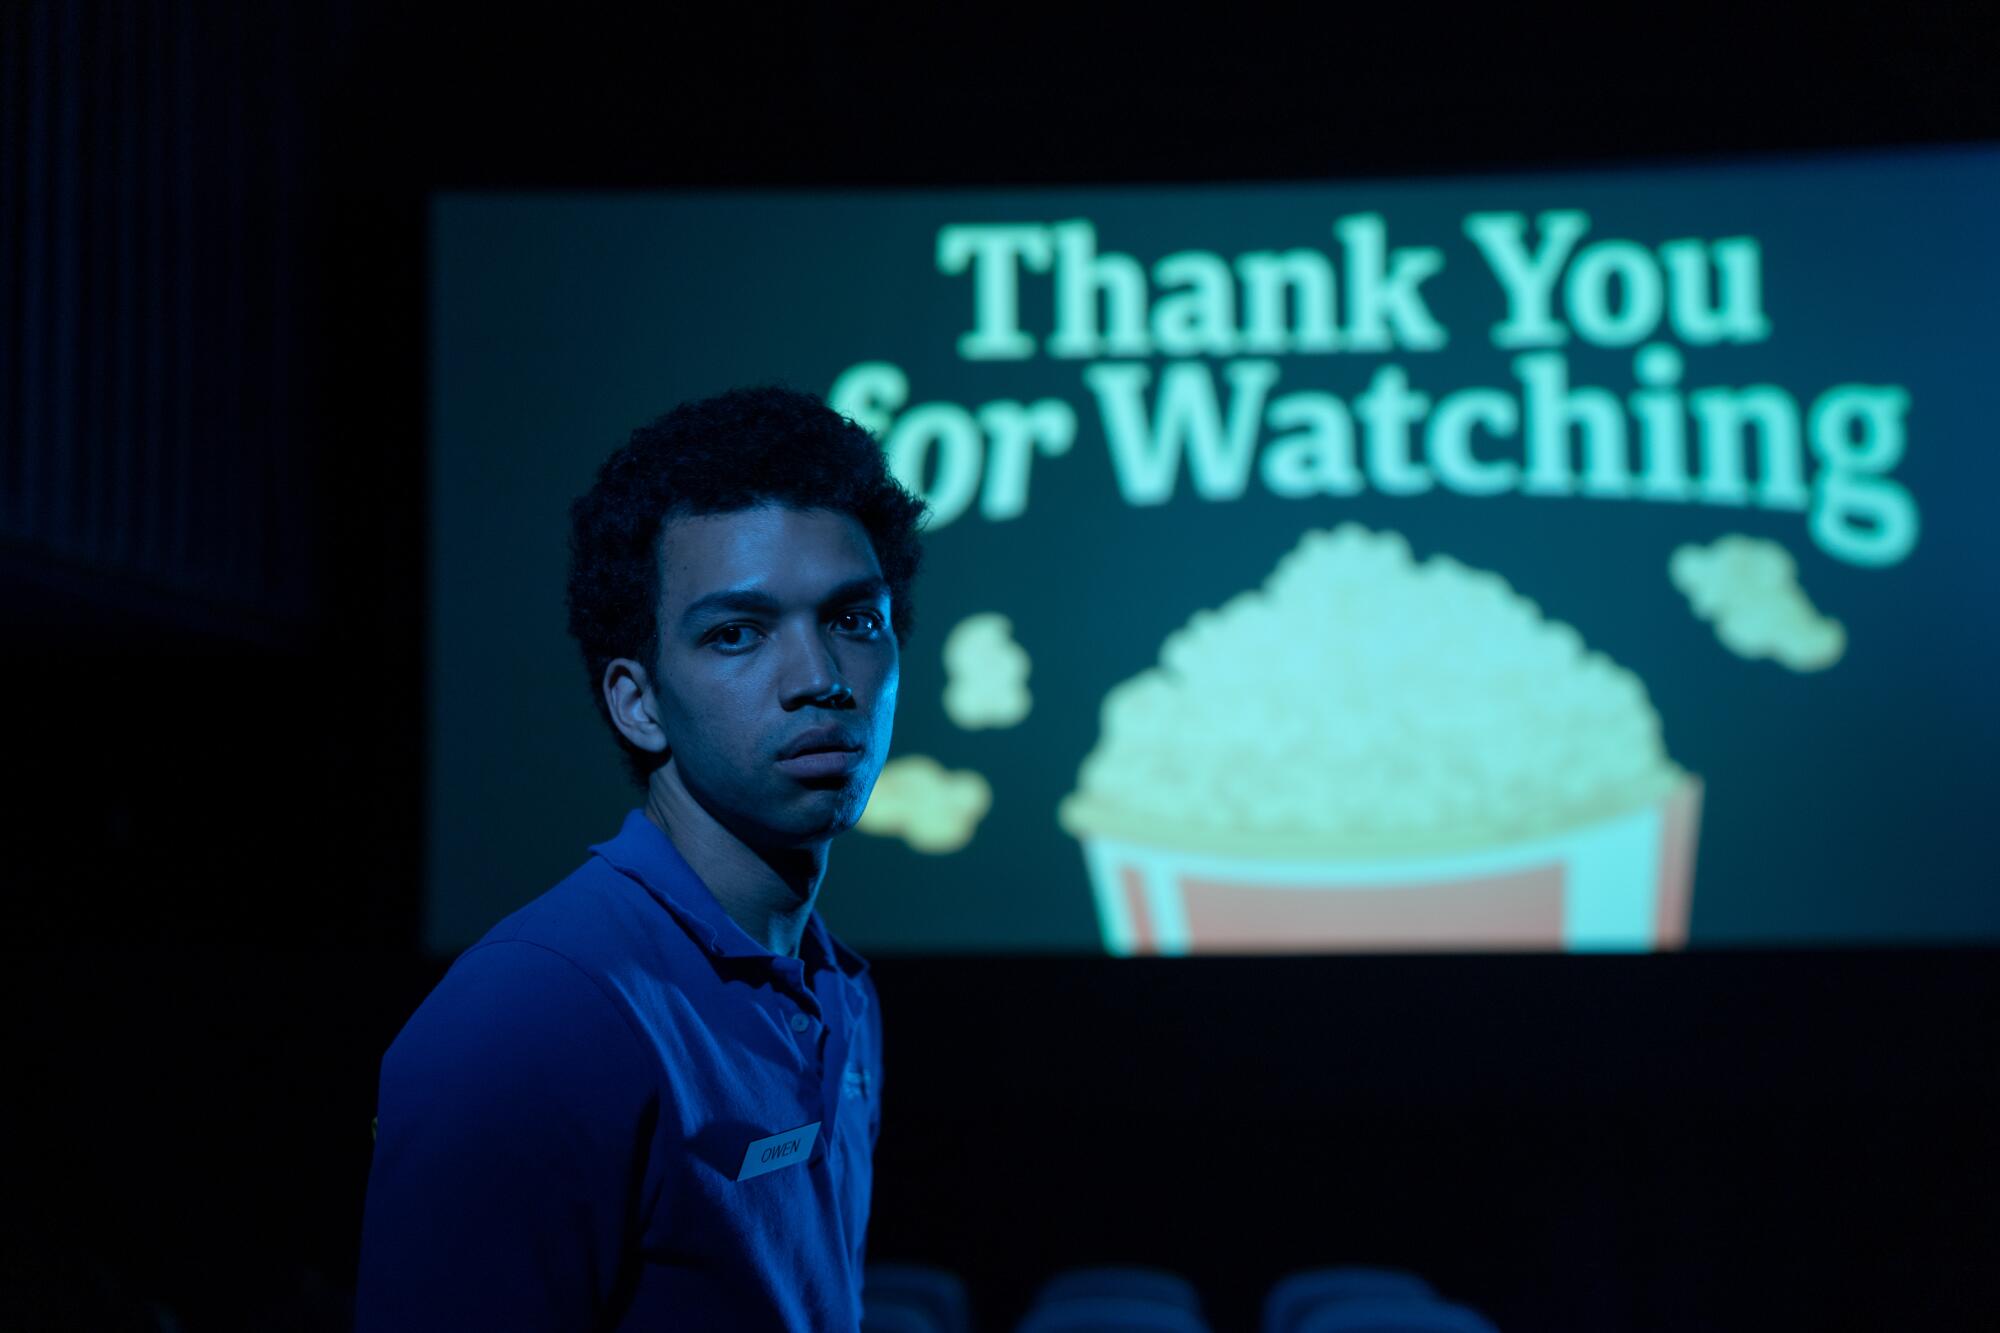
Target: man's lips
822, 763
823, 752
820, 738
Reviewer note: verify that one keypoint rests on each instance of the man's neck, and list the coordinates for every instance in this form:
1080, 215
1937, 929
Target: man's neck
768, 893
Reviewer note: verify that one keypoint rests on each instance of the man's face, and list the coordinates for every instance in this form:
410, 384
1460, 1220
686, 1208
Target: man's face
774, 630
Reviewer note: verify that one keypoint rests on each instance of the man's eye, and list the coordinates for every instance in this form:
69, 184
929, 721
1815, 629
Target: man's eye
733, 636
859, 622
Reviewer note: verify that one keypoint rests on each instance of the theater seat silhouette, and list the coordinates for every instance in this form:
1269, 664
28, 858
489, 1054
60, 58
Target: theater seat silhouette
936, 1294
1393, 1314
888, 1317
1296, 1294
1123, 1282
1110, 1314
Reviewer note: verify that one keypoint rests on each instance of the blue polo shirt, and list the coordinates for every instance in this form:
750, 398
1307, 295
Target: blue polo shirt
619, 1111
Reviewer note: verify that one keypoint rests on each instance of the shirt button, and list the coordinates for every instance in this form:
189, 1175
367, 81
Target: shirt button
800, 1022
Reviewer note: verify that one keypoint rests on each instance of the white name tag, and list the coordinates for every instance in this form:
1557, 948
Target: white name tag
794, 1145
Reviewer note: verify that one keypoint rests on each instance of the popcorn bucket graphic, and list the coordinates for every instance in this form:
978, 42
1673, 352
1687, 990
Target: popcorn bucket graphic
1620, 884
1372, 752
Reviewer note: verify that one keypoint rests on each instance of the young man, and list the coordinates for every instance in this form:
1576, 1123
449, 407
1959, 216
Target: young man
650, 1098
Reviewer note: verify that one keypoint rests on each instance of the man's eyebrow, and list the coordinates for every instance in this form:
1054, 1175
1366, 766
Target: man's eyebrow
865, 589
749, 600
730, 599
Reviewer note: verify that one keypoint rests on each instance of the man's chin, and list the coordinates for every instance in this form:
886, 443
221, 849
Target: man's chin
824, 812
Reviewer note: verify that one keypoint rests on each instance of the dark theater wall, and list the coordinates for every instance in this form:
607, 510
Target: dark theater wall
211, 552
157, 196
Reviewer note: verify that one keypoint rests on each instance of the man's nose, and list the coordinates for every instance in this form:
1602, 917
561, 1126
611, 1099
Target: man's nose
812, 673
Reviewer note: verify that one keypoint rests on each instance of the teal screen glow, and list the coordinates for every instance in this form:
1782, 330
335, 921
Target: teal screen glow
1597, 561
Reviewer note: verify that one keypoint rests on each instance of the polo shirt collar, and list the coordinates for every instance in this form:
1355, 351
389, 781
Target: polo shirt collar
645, 853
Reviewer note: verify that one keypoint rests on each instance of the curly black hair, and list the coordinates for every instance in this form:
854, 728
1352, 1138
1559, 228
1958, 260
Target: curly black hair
742, 449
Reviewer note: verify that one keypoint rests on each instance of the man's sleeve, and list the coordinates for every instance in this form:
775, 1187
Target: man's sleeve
875, 1046
513, 1116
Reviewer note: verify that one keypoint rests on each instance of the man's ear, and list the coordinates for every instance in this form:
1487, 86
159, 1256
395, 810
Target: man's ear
628, 693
